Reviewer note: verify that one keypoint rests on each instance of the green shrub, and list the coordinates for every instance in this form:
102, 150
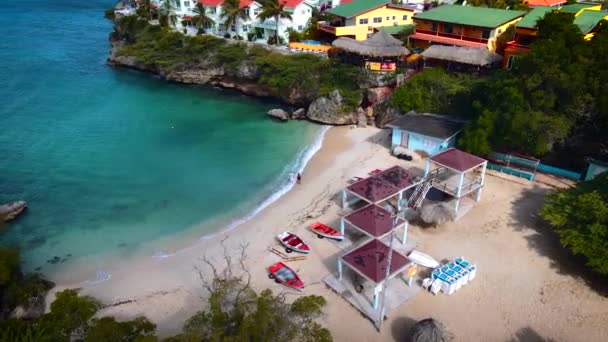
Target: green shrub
227, 35
251, 36
200, 31
109, 13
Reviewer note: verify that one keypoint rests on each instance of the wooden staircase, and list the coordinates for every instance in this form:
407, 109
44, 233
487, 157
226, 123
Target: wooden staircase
420, 193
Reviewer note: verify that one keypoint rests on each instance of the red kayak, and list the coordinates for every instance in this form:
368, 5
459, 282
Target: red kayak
293, 243
282, 274
324, 231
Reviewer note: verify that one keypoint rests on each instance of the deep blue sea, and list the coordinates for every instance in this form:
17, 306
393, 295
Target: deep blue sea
108, 159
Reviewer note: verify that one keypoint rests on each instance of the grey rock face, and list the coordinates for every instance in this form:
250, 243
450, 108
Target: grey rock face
278, 114
330, 110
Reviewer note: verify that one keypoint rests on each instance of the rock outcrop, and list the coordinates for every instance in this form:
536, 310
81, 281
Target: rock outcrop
11, 210
299, 113
278, 114
331, 110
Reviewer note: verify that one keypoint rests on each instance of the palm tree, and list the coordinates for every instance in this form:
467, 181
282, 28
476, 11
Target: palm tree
167, 13
201, 16
232, 12
274, 9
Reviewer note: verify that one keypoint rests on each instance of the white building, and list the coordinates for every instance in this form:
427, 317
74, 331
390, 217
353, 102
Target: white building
301, 12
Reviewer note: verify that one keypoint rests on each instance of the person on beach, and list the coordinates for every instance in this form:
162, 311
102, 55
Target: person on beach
299, 178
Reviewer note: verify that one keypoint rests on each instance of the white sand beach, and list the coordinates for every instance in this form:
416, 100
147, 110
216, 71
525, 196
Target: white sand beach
521, 292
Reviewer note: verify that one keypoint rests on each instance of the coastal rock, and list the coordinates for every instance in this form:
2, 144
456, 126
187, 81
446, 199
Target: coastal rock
299, 113
11, 210
361, 118
330, 110
385, 112
278, 114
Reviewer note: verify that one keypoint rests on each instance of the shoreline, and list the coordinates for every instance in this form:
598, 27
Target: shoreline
499, 234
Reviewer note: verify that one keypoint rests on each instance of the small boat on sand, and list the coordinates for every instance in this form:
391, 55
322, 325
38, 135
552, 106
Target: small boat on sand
324, 231
422, 259
292, 243
282, 274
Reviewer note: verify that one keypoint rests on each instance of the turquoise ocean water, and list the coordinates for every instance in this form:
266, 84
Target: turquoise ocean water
108, 159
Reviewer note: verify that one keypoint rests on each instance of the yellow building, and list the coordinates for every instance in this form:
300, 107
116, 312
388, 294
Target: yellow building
359, 19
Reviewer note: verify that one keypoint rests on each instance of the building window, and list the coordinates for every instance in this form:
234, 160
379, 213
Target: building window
485, 34
388, 18
300, 27
257, 11
434, 27
232, 28
245, 28
405, 17
363, 21
212, 10
186, 3
393, 17
377, 20
448, 28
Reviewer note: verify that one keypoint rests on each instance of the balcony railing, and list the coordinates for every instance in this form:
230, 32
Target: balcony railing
453, 36
327, 28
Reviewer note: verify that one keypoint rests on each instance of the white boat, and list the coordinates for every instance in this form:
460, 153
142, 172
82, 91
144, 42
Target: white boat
422, 259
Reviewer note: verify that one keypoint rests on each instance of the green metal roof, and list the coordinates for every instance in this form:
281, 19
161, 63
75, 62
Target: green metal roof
397, 29
587, 20
355, 7
530, 19
469, 15
574, 8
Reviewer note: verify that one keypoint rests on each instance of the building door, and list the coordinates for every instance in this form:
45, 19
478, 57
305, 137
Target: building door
405, 138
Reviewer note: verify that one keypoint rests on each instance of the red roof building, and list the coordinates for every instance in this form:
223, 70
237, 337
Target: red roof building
370, 260
373, 220
550, 3
457, 160
242, 3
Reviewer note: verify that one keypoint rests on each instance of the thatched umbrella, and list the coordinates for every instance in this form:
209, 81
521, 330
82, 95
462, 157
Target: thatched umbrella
437, 213
429, 330
381, 44
461, 54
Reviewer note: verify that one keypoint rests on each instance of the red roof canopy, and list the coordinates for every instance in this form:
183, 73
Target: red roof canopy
535, 3
373, 220
371, 260
242, 3
398, 177
291, 3
186, 17
447, 40
373, 189
457, 160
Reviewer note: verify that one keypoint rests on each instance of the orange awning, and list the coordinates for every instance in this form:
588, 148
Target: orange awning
446, 40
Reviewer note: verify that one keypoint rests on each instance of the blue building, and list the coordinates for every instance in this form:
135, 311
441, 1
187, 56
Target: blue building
427, 133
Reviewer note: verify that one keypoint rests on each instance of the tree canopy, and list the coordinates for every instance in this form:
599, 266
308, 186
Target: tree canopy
551, 98
580, 218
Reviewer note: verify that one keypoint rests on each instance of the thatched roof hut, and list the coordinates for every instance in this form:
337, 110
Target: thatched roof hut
437, 213
461, 54
429, 330
381, 44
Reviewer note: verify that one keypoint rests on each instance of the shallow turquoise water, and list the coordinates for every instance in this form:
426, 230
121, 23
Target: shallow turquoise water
108, 159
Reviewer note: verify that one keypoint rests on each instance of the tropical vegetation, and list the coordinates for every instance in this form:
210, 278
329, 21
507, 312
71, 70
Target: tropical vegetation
201, 18
580, 219
276, 10
233, 13
309, 75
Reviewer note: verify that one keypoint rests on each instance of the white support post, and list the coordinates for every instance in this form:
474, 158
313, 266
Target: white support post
427, 168
460, 182
457, 205
405, 226
340, 269
342, 223
399, 198
483, 174
377, 291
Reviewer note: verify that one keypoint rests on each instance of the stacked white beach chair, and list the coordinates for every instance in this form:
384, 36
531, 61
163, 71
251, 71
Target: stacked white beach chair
450, 277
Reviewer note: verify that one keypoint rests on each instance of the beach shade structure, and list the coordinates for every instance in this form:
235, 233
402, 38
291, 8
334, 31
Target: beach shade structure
372, 220
370, 261
380, 44
429, 330
437, 213
382, 186
476, 56
456, 173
